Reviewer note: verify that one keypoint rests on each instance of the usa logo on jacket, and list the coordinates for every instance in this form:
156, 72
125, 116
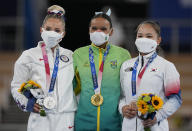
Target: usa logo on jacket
64, 58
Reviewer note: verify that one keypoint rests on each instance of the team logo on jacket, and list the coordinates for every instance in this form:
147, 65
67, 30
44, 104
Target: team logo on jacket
113, 64
64, 58
153, 70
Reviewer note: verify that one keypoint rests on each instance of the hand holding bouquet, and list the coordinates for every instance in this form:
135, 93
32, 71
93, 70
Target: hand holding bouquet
147, 105
34, 94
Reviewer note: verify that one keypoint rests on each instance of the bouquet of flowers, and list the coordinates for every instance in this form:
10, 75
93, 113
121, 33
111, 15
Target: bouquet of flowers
34, 92
147, 105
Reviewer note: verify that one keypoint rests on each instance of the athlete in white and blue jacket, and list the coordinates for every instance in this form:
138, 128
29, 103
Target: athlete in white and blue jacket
160, 78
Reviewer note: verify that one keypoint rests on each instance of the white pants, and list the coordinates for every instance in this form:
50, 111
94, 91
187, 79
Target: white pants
51, 122
130, 125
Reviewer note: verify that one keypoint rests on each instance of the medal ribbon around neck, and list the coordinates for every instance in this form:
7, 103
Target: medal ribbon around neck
97, 83
140, 75
47, 68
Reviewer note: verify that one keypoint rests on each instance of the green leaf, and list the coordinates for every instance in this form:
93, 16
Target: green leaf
23, 90
28, 86
147, 129
151, 109
147, 98
140, 98
42, 113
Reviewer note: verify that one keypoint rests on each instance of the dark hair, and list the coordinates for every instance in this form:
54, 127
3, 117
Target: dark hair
59, 15
102, 15
154, 24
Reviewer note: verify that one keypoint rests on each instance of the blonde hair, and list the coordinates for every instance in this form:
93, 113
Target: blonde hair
56, 12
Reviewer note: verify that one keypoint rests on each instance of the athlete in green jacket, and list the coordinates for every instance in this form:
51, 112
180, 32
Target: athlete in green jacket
100, 88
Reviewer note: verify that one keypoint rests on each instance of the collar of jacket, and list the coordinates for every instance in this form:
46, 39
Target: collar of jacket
146, 57
97, 49
47, 49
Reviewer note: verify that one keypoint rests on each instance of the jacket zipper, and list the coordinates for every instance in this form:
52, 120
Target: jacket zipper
142, 63
57, 94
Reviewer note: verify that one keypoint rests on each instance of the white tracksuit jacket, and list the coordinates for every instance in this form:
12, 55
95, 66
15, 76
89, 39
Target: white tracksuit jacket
30, 66
160, 78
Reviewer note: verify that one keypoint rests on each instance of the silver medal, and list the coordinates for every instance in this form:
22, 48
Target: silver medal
49, 102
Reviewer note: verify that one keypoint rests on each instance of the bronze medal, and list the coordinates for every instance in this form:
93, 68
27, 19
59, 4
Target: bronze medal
97, 100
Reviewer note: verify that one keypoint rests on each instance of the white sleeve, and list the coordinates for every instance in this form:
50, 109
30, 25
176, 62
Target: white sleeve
21, 75
170, 107
172, 92
122, 101
171, 80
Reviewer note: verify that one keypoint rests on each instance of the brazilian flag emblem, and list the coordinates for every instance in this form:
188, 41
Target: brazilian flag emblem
113, 64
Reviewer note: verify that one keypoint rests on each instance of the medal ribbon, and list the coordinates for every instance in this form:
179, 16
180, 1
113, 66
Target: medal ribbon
140, 75
97, 84
47, 68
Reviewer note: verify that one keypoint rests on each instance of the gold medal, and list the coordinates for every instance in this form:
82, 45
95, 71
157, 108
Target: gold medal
97, 100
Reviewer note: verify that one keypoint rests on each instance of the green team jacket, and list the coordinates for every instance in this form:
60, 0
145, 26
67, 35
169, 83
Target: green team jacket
86, 116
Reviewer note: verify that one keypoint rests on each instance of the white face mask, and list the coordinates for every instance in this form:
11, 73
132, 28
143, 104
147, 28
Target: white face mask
51, 38
145, 45
99, 38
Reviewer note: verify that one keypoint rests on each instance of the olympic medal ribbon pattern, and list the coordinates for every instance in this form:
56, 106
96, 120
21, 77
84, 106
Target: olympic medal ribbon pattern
97, 99
140, 75
46, 63
55, 71
49, 101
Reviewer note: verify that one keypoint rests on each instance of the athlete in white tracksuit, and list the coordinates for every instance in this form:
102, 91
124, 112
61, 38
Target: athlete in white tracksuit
31, 65
160, 78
